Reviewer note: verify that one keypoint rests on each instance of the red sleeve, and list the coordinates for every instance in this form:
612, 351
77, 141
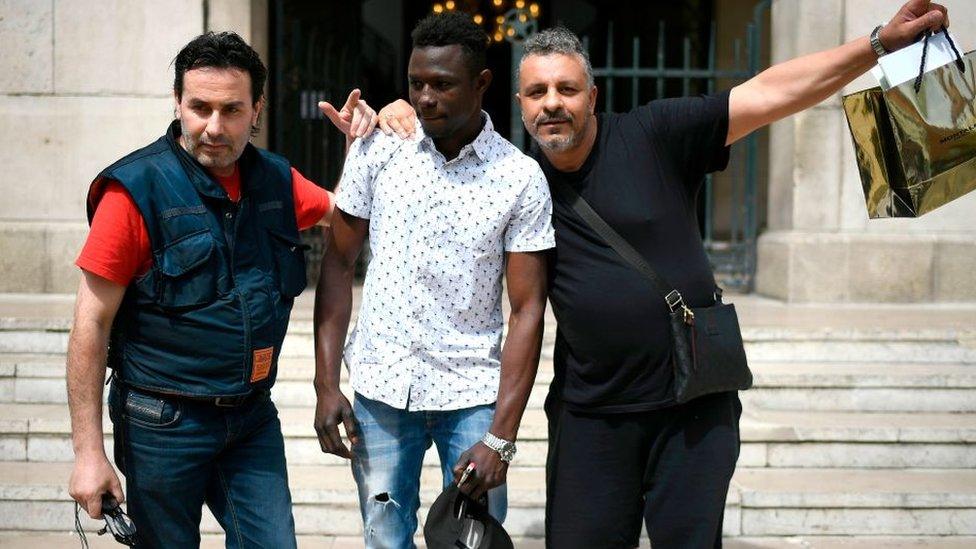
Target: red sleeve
311, 201
118, 246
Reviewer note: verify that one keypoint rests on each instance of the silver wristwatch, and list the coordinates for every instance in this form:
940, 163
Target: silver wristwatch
506, 449
876, 44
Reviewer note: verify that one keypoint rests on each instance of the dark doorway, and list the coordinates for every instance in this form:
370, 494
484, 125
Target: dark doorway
640, 50
322, 49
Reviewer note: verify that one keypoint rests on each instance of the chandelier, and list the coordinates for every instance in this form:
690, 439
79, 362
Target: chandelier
512, 21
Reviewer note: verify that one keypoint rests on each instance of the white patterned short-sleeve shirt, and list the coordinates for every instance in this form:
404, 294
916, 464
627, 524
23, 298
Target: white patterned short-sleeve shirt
428, 335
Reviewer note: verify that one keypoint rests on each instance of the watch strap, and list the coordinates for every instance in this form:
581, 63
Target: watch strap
505, 448
876, 44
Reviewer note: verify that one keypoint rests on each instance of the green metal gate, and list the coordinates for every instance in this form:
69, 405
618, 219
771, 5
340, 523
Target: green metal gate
732, 247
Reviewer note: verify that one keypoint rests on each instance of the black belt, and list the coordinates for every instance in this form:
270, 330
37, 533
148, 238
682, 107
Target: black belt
219, 401
225, 401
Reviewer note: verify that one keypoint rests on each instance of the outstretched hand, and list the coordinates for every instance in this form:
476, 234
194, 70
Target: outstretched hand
354, 119
913, 19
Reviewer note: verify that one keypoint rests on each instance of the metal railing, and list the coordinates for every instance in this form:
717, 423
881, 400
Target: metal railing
732, 249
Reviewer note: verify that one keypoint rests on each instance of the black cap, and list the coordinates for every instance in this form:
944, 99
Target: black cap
456, 521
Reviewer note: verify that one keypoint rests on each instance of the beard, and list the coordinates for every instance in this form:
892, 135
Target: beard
223, 157
558, 142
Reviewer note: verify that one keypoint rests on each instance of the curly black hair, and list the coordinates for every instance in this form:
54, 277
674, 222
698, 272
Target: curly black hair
452, 28
220, 50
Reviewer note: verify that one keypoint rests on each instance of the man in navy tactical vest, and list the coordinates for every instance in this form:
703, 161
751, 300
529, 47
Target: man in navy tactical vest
189, 274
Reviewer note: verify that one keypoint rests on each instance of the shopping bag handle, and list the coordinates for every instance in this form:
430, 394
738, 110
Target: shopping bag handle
925, 51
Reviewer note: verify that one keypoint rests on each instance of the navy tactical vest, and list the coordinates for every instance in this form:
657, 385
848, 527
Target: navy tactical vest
209, 317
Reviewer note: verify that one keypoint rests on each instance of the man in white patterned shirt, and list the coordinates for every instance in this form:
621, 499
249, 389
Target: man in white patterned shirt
445, 213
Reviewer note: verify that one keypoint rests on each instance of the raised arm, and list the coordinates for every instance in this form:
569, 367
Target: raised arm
333, 307
354, 119
797, 84
526, 277
98, 301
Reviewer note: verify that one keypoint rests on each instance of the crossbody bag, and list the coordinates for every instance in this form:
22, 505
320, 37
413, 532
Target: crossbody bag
707, 352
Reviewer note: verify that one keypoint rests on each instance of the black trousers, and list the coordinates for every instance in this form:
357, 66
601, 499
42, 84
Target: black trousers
671, 467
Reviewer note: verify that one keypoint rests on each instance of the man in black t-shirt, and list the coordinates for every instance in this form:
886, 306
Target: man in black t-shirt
619, 446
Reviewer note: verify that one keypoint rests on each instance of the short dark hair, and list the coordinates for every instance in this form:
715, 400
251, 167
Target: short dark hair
557, 40
221, 50
452, 28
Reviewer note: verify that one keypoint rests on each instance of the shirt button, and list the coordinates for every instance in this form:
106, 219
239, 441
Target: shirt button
229, 215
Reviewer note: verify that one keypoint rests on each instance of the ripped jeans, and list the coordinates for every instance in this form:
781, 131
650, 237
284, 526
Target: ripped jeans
388, 459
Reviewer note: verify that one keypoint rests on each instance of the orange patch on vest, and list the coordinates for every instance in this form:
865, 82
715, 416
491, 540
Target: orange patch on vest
262, 364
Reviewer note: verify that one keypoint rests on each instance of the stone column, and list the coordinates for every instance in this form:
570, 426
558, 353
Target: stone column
820, 245
82, 83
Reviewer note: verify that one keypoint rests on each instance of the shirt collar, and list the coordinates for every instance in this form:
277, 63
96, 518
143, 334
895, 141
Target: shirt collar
481, 146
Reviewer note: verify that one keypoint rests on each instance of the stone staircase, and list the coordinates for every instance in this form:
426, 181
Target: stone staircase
861, 430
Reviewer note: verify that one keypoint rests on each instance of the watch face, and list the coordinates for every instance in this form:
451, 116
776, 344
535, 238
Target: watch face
504, 448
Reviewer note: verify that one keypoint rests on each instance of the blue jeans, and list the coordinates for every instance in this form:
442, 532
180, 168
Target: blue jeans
389, 456
178, 454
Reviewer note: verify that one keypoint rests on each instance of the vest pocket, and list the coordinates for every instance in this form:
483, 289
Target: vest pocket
188, 277
289, 252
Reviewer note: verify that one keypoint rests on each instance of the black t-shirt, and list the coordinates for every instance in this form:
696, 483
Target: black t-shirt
643, 177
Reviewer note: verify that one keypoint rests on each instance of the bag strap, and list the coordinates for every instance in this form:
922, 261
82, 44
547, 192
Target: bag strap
925, 51
671, 296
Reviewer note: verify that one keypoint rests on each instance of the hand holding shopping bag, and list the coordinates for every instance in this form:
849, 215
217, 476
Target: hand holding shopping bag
915, 143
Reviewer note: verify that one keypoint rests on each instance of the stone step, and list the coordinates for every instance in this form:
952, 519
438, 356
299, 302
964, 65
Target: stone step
764, 344
33, 496
844, 386
32, 432
784, 502
35, 540
869, 387
50, 335
761, 502
40, 379
853, 386
768, 373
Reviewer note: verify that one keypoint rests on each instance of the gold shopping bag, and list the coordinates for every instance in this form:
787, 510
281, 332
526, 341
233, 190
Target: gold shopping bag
915, 143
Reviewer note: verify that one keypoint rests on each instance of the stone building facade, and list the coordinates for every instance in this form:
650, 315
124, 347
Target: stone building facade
82, 82
819, 245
